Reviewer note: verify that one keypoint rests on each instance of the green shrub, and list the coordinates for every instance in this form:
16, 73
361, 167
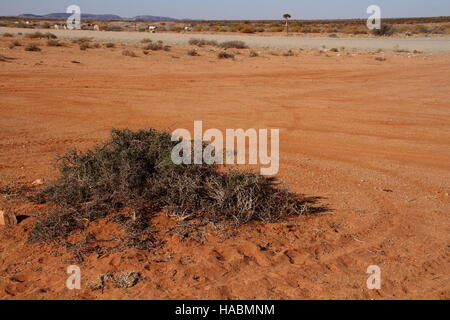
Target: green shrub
134, 171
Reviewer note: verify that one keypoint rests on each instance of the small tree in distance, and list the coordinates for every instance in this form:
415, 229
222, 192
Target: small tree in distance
287, 16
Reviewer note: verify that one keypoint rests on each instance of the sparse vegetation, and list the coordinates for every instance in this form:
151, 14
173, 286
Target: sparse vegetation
131, 176
82, 40
110, 45
192, 52
253, 54
289, 53
203, 42
8, 35
156, 46
84, 46
32, 47
385, 30
54, 43
129, 53
225, 55
233, 44
14, 44
40, 35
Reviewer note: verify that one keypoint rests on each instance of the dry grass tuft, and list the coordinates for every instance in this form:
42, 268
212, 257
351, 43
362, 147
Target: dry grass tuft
225, 55
129, 53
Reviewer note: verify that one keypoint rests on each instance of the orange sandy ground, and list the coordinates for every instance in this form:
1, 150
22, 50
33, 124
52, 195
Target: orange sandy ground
352, 128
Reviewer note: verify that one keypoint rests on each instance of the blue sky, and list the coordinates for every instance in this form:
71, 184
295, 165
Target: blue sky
234, 9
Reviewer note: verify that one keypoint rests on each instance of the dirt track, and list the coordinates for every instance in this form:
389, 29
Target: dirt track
370, 139
256, 41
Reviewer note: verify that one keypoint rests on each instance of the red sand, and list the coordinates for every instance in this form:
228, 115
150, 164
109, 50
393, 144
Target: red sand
352, 130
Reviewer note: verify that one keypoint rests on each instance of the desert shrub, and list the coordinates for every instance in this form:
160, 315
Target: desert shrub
146, 40
288, 53
156, 46
334, 50
276, 29
54, 43
40, 35
233, 44
32, 47
385, 30
355, 29
113, 28
14, 44
46, 25
333, 35
380, 59
129, 53
248, 29
253, 54
96, 45
203, 42
420, 28
133, 171
192, 52
176, 29
84, 46
82, 40
110, 45
8, 35
225, 55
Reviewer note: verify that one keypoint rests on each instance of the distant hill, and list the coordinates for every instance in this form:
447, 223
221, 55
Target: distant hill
93, 17
143, 18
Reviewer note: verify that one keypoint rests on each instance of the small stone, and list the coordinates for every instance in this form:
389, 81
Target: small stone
38, 182
7, 218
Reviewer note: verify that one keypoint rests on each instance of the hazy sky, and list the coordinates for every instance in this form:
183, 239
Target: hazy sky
234, 9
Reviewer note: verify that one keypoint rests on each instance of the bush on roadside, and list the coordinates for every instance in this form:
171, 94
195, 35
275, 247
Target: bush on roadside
40, 35
203, 42
236, 44
385, 30
133, 172
156, 46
